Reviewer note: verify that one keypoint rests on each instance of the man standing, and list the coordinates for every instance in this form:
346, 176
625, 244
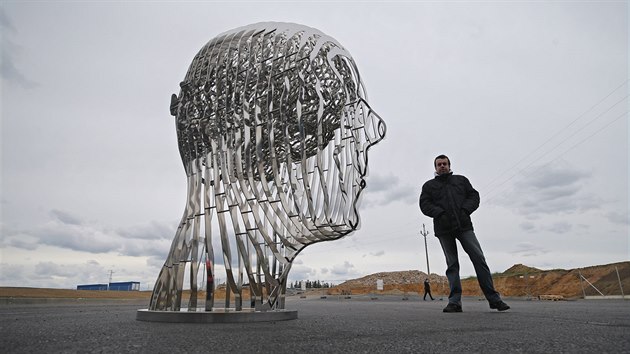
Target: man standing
450, 199
427, 290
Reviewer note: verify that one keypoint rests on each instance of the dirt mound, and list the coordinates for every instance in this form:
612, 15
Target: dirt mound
518, 280
399, 282
520, 269
568, 283
521, 280
400, 277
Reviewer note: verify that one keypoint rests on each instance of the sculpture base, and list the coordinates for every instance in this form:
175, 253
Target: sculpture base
215, 316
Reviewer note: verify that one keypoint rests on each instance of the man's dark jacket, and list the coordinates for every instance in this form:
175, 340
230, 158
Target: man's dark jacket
449, 199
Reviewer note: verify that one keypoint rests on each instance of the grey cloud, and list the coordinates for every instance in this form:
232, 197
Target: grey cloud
618, 218
551, 193
21, 244
583, 227
302, 273
55, 275
380, 183
156, 261
404, 193
551, 175
5, 22
344, 269
45, 269
527, 226
560, 227
151, 231
342, 272
551, 189
12, 237
12, 274
65, 218
8, 70
75, 237
528, 249
383, 190
143, 248
559, 204
68, 231
11, 73
377, 254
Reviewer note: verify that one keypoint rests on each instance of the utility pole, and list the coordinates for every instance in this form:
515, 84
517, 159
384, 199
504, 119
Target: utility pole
424, 233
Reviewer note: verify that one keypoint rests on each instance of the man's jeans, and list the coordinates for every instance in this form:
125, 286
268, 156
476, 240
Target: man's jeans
471, 246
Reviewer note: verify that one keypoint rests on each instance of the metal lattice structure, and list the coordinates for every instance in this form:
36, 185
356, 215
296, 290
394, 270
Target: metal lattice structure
273, 129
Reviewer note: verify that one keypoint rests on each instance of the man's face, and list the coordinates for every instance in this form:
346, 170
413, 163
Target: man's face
442, 166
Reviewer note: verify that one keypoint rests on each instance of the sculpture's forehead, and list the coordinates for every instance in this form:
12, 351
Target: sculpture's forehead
277, 27
272, 29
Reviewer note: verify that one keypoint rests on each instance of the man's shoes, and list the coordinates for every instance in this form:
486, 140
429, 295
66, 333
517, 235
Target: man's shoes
499, 305
453, 308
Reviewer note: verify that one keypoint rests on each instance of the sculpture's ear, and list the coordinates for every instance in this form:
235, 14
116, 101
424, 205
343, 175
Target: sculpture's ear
174, 104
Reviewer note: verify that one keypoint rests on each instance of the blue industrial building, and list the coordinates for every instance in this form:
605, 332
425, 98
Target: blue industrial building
118, 286
125, 286
92, 287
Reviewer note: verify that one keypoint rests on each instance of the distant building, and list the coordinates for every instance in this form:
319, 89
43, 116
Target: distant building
125, 286
118, 286
92, 287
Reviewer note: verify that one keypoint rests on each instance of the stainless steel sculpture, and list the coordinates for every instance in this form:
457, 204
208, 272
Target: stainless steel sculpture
273, 129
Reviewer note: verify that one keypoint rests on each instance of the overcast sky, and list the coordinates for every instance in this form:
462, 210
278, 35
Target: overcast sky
529, 99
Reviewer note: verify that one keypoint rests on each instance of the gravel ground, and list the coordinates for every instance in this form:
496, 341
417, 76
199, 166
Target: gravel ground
360, 324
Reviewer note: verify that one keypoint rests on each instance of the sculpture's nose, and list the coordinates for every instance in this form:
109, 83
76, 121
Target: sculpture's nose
373, 125
371, 131
375, 128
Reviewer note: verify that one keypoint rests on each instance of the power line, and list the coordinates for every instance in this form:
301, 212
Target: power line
561, 154
587, 138
560, 131
548, 151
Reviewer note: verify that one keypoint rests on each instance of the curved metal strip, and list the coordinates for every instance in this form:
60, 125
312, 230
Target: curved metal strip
274, 117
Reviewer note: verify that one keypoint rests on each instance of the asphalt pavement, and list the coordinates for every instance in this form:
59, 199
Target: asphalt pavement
335, 324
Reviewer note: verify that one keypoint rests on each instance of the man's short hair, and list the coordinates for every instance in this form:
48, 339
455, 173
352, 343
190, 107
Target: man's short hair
441, 157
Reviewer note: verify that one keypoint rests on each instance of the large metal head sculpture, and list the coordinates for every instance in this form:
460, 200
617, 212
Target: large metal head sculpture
273, 129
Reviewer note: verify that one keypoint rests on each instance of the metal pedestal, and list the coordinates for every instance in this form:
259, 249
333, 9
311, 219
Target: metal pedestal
216, 316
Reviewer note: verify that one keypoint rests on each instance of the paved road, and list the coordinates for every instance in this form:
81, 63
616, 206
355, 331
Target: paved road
357, 325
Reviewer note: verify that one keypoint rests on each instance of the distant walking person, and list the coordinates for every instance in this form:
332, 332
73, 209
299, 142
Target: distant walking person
450, 199
427, 290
